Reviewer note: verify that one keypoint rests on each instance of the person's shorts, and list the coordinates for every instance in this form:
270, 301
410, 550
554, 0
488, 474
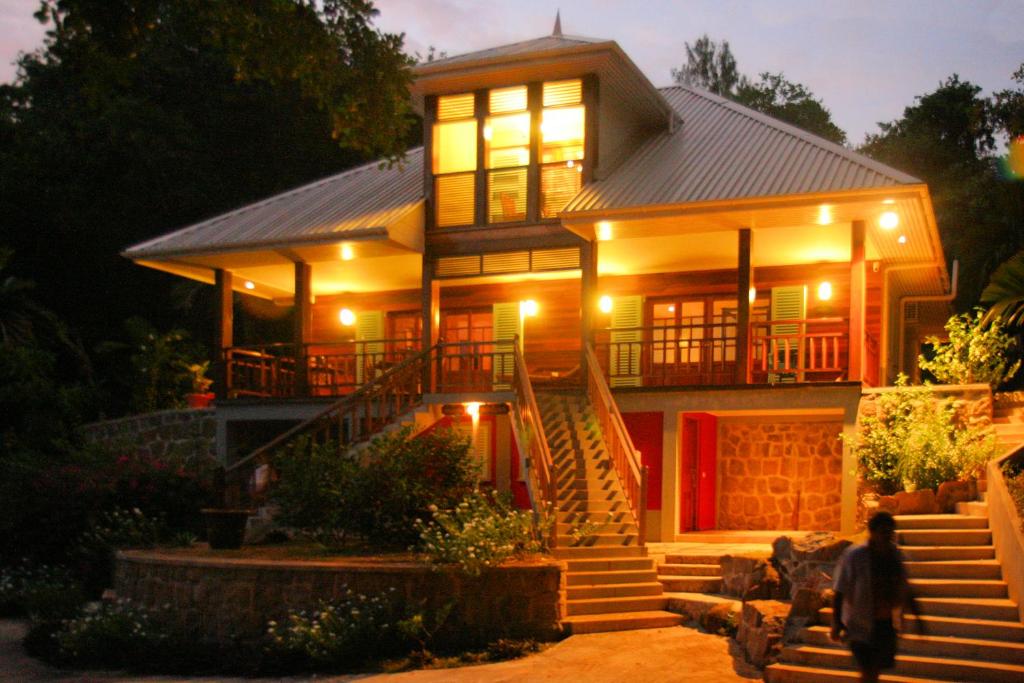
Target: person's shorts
880, 652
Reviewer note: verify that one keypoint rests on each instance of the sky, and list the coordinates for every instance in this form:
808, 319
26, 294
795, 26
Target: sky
866, 59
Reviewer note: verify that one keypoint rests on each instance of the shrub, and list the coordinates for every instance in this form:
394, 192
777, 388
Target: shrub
40, 592
975, 352
915, 440
110, 532
117, 634
481, 531
509, 648
376, 493
1014, 476
339, 635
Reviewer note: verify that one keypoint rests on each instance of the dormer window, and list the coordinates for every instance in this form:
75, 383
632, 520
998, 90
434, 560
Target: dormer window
515, 177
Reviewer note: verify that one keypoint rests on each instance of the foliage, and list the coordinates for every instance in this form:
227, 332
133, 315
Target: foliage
40, 592
340, 635
1013, 474
375, 493
1008, 106
481, 531
112, 634
712, 66
112, 531
197, 375
976, 352
511, 648
916, 440
1004, 294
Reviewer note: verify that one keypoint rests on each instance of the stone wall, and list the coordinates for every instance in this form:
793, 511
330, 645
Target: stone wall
223, 599
180, 436
779, 474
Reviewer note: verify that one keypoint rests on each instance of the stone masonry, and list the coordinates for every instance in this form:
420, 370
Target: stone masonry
185, 437
779, 475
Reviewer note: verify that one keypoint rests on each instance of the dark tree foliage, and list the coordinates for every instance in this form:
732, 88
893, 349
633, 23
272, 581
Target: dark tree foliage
711, 65
141, 116
947, 138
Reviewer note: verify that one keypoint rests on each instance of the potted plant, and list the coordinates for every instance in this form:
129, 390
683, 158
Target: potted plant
201, 396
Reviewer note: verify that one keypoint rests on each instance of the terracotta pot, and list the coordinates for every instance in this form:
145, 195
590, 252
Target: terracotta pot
225, 528
199, 400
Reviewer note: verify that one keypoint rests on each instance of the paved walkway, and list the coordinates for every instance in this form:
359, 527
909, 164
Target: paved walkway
669, 654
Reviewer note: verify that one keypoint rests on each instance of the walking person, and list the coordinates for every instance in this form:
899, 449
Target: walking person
870, 584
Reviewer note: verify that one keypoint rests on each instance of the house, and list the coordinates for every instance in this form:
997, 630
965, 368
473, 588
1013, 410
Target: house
720, 284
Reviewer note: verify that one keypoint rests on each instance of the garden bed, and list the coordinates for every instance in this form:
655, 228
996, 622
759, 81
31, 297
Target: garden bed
226, 596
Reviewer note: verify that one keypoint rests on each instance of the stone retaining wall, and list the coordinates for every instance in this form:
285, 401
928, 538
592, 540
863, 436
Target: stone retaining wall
180, 436
779, 475
224, 599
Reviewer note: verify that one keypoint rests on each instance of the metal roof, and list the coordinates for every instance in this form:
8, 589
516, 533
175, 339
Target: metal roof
512, 50
724, 150
360, 202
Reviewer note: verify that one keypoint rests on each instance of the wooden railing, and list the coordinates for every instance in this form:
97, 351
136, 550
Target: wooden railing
625, 457
474, 366
351, 420
799, 350
529, 426
677, 355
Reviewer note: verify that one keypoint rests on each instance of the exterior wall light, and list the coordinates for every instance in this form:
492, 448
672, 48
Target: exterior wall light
825, 291
889, 220
249, 284
346, 253
605, 304
752, 294
347, 317
604, 231
528, 308
472, 409
824, 215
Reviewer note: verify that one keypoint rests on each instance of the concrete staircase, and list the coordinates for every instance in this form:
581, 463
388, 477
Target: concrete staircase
612, 584
973, 629
691, 574
1008, 421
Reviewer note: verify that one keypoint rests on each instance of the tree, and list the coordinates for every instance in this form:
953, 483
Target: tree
976, 352
790, 102
712, 66
1004, 294
1008, 108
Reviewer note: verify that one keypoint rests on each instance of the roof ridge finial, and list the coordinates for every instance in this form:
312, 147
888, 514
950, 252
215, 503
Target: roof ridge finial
558, 23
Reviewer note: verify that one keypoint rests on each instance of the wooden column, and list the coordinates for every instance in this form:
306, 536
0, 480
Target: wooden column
857, 303
223, 332
480, 195
302, 325
430, 302
534, 102
429, 114
744, 281
588, 300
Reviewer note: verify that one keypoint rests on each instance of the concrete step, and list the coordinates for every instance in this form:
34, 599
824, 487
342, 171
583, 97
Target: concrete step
604, 540
990, 629
936, 646
995, 609
587, 483
574, 518
956, 588
592, 497
691, 584
677, 558
600, 553
644, 603
909, 665
621, 621
689, 569
589, 565
943, 552
600, 578
584, 505
794, 673
954, 569
565, 528
934, 537
614, 590
939, 522
975, 508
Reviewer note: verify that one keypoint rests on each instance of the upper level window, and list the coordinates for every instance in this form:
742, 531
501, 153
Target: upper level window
507, 154
454, 159
561, 149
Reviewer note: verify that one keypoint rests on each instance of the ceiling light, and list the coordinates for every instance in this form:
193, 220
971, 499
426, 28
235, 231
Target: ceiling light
249, 284
888, 201
902, 239
889, 220
824, 215
346, 253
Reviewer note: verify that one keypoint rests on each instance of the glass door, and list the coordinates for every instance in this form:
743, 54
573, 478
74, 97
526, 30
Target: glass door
468, 335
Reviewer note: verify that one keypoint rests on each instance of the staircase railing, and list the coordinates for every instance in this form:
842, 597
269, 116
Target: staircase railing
624, 456
351, 420
529, 426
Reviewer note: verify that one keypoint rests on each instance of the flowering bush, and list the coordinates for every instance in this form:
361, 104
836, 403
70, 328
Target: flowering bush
117, 634
341, 634
975, 352
915, 440
40, 592
481, 531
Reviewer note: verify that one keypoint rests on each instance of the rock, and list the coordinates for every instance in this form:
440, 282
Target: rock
762, 625
920, 502
806, 563
822, 546
888, 504
750, 577
719, 619
953, 492
806, 603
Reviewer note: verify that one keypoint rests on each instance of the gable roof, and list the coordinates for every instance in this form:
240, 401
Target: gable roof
523, 49
723, 151
359, 202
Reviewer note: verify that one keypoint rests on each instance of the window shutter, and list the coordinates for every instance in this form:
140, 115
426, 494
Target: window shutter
479, 446
507, 324
369, 327
788, 303
624, 360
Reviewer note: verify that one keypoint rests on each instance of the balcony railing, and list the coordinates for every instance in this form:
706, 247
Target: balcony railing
799, 350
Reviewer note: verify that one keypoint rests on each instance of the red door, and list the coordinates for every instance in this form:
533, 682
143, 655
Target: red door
697, 472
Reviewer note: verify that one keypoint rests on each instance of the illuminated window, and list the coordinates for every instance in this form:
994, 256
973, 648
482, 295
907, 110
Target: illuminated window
507, 154
561, 149
454, 159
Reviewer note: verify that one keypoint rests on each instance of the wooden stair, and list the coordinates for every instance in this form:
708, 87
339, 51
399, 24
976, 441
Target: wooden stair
974, 631
612, 585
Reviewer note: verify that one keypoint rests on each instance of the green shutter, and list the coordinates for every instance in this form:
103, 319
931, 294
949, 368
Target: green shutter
507, 324
788, 303
624, 353
369, 327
